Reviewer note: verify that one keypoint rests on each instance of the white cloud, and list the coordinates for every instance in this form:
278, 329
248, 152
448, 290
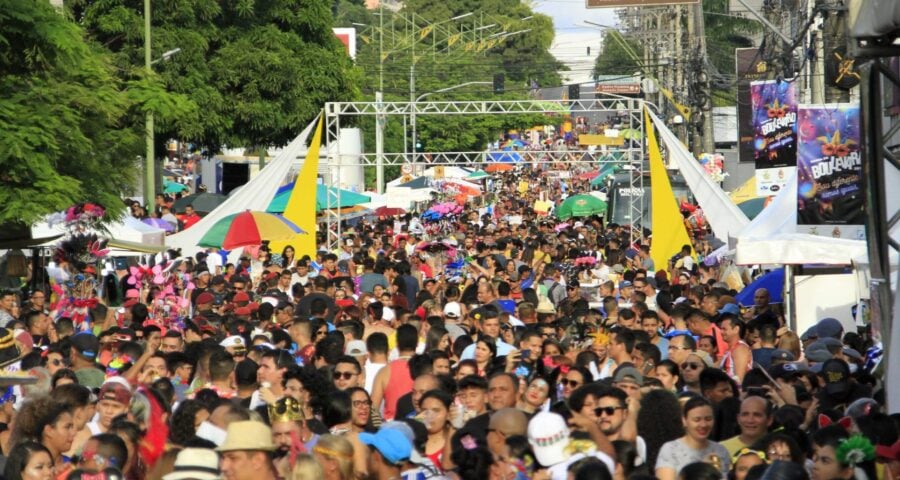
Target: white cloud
573, 36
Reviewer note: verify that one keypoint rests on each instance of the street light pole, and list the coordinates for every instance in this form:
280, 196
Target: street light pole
150, 158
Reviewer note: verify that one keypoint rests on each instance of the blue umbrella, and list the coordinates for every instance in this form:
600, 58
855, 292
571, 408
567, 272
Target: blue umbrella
772, 281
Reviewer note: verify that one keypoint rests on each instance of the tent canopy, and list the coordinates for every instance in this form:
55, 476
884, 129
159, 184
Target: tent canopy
347, 198
255, 194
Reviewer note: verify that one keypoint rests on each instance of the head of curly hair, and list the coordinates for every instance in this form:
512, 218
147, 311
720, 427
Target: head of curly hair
36, 414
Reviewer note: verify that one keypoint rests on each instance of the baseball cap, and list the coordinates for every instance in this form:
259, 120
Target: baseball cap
86, 344
548, 436
452, 310
829, 327
784, 371
784, 355
703, 356
628, 374
205, 298
809, 334
390, 443
116, 392
618, 268
837, 376
730, 308
624, 284
573, 283
356, 347
240, 297
243, 311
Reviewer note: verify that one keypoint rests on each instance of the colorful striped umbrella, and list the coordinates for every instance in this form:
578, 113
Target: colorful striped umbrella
248, 228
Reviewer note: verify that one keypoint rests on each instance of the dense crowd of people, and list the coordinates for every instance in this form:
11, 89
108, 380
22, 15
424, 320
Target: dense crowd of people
491, 345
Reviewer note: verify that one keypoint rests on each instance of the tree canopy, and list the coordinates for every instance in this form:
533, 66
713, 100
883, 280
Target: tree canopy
258, 72
614, 59
65, 135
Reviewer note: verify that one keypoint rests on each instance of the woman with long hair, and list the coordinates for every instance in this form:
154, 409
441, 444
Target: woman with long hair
694, 445
287, 257
536, 395
29, 461
485, 352
435, 412
48, 422
361, 415
335, 455
668, 374
437, 338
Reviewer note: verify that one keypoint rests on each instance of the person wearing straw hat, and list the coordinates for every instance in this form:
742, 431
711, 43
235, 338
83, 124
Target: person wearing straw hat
247, 452
195, 464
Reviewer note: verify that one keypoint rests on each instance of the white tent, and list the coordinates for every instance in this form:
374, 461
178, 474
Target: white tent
255, 195
724, 217
129, 229
449, 172
404, 197
772, 238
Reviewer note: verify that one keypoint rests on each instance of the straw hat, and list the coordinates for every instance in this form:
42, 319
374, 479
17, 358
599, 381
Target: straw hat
195, 463
247, 435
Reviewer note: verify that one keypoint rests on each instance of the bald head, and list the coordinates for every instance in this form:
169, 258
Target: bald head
761, 297
509, 421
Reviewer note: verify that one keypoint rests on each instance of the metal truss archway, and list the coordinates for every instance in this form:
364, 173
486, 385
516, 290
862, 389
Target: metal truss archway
632, 155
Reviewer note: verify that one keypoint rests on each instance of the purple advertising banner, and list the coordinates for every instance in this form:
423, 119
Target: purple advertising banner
774, 106
829, 166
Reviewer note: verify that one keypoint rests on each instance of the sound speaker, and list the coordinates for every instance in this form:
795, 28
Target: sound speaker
234, 175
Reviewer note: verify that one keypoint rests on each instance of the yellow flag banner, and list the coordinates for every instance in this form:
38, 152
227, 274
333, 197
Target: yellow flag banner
669, 234
301, 207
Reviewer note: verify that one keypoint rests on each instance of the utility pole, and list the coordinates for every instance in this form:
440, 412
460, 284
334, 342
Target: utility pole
707, 133
379, 144
150, 159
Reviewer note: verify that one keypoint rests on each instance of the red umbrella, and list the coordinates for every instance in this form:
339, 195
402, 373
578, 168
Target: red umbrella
388, 211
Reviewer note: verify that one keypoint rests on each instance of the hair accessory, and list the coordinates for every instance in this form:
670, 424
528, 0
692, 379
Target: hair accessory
331, 453
825, 420
749, 451
601, 338
855, 450
468, 442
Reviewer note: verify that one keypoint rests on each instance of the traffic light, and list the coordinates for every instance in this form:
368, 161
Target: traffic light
498, 83
575, 92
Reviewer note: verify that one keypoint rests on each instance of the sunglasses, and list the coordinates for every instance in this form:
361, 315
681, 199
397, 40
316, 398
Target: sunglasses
344, 375
569, 383
690, 366
608, 411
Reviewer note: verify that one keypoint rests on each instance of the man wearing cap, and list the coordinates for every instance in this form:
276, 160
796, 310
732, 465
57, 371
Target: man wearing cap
630, 380
840, 388
388, 449
247, 452
83, 357
548, 435
113, 400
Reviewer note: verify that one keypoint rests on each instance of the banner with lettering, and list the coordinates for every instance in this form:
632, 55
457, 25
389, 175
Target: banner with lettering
829, 176
774, 104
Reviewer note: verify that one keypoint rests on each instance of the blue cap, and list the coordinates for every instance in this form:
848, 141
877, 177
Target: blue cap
390, 442
623, 284
730, 308
829, 327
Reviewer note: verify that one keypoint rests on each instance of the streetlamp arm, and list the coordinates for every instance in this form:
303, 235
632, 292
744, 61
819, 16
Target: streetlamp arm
454, 87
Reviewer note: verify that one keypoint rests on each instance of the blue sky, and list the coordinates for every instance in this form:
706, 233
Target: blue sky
573, 36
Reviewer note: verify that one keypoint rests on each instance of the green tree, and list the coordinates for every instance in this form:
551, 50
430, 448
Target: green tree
64, 130
725, 33
614, 59
257, 71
